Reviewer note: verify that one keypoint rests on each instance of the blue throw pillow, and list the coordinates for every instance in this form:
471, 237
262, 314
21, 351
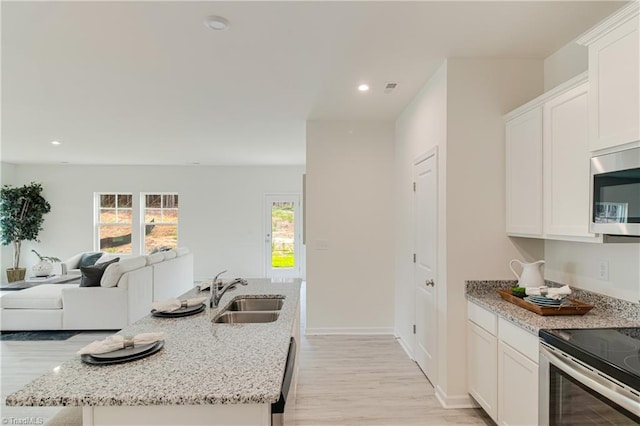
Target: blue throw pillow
91, 275
89, 259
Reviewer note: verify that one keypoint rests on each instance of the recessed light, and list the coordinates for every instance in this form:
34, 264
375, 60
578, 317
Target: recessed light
217, 23
56, 143
363, 87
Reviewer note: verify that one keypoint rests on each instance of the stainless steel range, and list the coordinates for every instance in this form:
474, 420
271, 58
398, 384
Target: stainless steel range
590, 376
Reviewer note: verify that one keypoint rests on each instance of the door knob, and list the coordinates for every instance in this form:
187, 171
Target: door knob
430, 283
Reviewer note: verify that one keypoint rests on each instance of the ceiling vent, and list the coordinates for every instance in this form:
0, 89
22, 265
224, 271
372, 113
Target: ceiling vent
390, 87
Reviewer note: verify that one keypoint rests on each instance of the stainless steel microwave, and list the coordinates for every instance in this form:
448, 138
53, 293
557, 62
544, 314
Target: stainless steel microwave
615, 193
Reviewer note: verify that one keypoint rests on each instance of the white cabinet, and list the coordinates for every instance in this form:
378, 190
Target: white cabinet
566, 165
547, 163
524, 173
614, 99
517, 375
482, 368
517, 388
502, 367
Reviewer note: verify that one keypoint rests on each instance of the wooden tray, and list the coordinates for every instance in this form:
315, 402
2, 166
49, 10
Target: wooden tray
576, 307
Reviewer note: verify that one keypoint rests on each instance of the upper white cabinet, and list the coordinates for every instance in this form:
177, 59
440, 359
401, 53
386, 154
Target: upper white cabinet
547, 170
614, 75
524, 172
566, 165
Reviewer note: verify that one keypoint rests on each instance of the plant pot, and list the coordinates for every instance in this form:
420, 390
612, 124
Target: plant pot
16, 274
42, 268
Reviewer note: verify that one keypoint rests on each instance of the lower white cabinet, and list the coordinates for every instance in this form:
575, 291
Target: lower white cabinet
502, 368
482, 367
517, 388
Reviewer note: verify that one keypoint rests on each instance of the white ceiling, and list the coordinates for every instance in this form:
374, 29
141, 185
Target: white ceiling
148, 83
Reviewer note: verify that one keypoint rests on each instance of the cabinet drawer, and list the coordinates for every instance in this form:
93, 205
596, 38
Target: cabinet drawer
482, 317
519, 339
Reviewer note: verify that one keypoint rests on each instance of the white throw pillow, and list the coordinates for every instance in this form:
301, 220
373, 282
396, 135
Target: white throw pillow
155, 258
112, 275
181, 251
169, 254
106, 257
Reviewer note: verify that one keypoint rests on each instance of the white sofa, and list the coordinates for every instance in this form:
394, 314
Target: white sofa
138, 282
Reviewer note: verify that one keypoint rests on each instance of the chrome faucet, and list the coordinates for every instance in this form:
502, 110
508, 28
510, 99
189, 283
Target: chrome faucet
215, 282
216, 294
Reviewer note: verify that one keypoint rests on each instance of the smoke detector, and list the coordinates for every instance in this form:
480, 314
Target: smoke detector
390, 87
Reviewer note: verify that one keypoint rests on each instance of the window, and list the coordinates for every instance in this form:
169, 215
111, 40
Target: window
114, 222
160, 213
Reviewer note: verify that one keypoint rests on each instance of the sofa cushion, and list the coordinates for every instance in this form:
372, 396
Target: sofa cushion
89, 259
181, 251
155, 258
45, 296
114, 272
92, 275
169, 254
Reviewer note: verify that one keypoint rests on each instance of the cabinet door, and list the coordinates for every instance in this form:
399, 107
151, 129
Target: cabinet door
566, 165
482, 368
517, 388
524, 174
614, 104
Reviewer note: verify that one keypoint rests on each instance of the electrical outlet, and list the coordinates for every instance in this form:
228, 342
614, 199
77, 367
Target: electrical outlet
603, 270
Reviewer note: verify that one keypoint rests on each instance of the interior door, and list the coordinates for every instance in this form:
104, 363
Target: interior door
282, 236
425, 232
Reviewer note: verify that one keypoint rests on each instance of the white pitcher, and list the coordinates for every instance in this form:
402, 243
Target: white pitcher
531, 274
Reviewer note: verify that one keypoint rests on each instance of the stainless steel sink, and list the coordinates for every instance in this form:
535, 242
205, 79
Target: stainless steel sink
246, 317
256, 304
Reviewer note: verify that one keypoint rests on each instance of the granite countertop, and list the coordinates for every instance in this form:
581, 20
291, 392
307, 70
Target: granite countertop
201, 362
607, 311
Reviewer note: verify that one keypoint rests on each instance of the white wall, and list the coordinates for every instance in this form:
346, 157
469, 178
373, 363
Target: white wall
576, 264
350, 227
479, 92
7, 177
222, 209
460, 110
421, 127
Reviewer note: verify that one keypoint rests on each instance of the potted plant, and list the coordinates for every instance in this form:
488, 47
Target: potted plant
45, 266
22, 211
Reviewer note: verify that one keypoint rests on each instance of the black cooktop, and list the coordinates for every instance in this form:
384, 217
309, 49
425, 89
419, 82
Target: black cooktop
613, 351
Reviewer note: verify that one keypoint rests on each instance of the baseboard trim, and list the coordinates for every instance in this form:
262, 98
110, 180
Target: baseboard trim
347, 331
405, 347
457, 401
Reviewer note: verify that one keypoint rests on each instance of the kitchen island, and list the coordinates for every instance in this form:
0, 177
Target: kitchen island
207, 373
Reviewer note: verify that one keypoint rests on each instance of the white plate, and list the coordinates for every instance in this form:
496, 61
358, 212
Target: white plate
182, 312
543, 299
547, 303
155, 347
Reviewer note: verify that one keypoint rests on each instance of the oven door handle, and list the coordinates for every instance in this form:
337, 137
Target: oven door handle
599, 384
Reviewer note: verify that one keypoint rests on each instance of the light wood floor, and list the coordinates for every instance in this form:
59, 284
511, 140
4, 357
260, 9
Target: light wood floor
344, 380
22, 362
368, 380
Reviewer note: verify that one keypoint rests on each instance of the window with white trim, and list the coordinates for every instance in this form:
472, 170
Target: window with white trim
160, 221
114, 222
